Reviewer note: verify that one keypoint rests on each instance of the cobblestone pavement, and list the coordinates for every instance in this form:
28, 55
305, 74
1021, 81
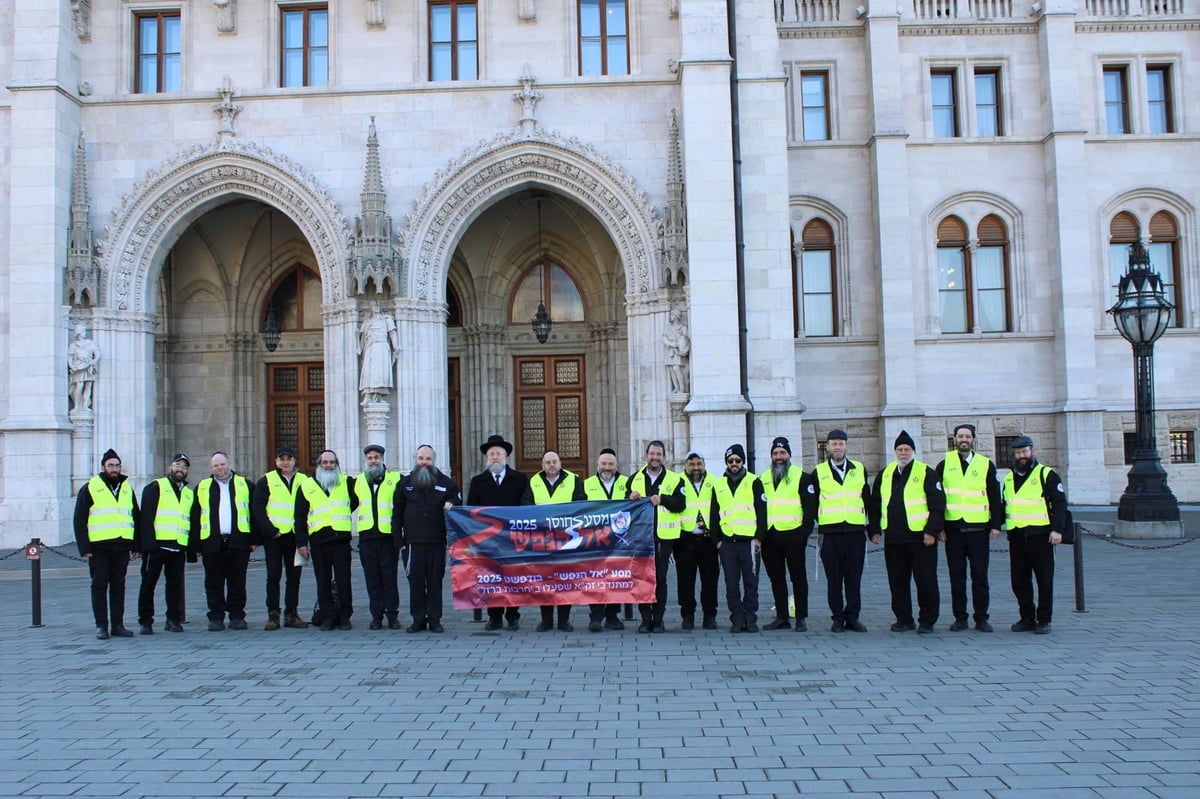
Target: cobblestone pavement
1107, 705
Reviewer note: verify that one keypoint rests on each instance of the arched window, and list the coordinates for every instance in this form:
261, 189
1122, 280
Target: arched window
550, 283
814, 276
1122, 232
1164, 257
973, 282
297, 300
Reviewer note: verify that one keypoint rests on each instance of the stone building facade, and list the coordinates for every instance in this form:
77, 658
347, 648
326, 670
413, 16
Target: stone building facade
918, 228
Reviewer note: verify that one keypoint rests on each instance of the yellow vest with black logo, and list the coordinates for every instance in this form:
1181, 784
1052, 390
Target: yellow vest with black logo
330, 510
841, 503
110, 518
966, 493
916, 506
738, 519
699, 502
784, 511
281, 501
594, 489
666, 522
1027, 507
384, 495
563, 490
174, 515
241, 505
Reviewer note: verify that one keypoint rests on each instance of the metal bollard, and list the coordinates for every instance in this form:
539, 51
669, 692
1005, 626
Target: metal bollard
33, 554
1077, 556
477, 615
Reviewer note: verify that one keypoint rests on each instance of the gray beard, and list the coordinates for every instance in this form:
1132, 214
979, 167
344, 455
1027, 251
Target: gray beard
496, 469
779, 471
375, 474
327, 478
422, 477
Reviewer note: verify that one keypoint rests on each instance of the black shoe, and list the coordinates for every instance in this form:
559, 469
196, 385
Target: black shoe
856, 626
614, 624
751, 627
710, 623
925, 629
778, 624
514, 625
345, 625
838, 627
102, 633
737, 627
595, 626
801, 626
174, 626
545, 626
1024, 626
566, 627
122, 631
328, 625
1043, 629
688, 623
436, 627
376, 624
492, 625
415, 627
645, 626
658, 627
238, 624
903, 627
983, 627
218, 626
394, 624
147, 629
958, 626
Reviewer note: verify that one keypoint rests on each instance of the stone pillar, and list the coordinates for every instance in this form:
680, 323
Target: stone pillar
246, 426
124, 397
342, 429
648, 316
421, 394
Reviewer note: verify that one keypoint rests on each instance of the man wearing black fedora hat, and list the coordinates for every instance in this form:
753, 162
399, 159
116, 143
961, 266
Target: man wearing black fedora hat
502, 486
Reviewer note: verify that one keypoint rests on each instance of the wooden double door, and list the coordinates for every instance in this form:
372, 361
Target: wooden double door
551, 411
296, 412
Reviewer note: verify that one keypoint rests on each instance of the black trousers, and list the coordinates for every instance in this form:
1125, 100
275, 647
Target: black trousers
842, 555
968, 548
158, 562
108, 567
601, 611
331, 561
280, 554
662, 565
1031, 557
426, 570
697, 554
510, 614
908, 563
225, 582
379, 558
739, 560
783, 555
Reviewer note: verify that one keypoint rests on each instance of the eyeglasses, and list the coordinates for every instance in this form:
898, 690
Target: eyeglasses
733, 461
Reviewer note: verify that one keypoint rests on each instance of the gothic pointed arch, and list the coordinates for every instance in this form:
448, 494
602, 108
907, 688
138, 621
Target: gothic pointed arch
160, 206
511, 162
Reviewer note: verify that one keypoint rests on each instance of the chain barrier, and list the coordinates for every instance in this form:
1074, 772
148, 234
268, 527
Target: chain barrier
10, 554
1108, 539
59, 550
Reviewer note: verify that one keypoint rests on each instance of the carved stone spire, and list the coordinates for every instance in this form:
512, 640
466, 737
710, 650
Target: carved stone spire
83, 272
528, 97
374, 257
674, 237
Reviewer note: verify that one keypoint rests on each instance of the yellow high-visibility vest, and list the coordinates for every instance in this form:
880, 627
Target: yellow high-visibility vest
916, 505
966, 492
1027, 507
784, 511
563, 490
738, 519
173, 516
110, 518
386, 493
241, 505
667, 523
594, 489
330, 510
281, 501
841, 503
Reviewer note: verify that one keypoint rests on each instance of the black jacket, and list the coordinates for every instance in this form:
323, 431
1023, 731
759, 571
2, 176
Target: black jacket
994, 494
1056, 501
263, 529
813, 494
419, 514
238, 538
483, 490
898, 531
149, 509
760, 507
83, 504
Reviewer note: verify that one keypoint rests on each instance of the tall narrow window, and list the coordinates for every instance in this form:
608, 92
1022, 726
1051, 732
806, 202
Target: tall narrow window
159, 52
944, 95
453, 41
603, 37
1164, 257
987, 102
304, 56
814, 105
817, 285
991, 277
1158, 96
1116, 100
1122, 231
954, 293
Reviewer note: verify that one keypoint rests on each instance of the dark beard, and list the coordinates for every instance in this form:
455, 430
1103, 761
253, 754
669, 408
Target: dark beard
423, 477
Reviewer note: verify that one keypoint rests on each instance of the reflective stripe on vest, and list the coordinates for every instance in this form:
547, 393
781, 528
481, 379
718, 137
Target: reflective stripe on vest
241, 505
841, 503
281, 502
916, 506
384, 496
666, 523
173, 516
966, 494
110, 518
563, 490
330, 510
784, 511
594, 489
698, 502
1027, 507
738, 519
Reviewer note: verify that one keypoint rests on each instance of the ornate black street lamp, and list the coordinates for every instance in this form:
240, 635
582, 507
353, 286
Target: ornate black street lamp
1142, 314
271, 331
541, 321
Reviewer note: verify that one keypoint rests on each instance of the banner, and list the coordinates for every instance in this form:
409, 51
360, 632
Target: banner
574, 553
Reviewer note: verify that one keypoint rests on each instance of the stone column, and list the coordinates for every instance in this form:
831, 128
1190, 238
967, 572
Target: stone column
246, 425
124, 398
647, 378
342, 429
421, 394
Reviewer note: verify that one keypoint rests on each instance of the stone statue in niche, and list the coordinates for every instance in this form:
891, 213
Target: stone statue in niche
378, 343
83, 358
226, 15
678, 344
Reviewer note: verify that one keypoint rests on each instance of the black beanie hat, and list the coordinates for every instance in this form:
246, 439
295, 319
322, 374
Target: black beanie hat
779, 442
736, 449
904, 438
108, 455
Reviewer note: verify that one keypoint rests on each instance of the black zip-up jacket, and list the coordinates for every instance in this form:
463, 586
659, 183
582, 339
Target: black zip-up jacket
419, 516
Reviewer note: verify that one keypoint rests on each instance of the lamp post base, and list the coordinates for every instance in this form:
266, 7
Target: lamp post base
1147, 530
1147, 496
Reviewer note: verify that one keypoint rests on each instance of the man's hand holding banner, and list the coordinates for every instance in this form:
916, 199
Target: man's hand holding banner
574, 553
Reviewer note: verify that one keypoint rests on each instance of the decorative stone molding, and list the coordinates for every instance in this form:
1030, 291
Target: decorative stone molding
226, 110
673, 9
375, 18
375, 256
83, 272
527, 10
81, 18
528, 98
674, 230
982, 29
512, 160
226, 15
167, 194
